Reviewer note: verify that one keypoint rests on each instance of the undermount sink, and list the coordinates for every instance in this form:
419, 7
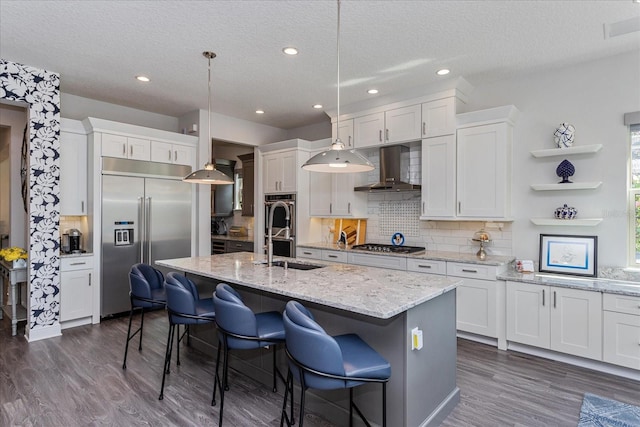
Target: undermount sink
295, 265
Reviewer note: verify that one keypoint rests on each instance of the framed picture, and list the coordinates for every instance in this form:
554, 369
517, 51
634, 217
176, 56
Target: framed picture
575, 255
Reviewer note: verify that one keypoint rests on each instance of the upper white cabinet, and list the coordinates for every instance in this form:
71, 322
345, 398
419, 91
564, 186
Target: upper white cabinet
280, 171
368, 130
560, 319
439, 177
73, 168
345, 132
403, 124
439, 117
126, 147
166, 152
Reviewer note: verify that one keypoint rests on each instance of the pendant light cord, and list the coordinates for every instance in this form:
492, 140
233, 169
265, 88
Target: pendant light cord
209, 114
338, 74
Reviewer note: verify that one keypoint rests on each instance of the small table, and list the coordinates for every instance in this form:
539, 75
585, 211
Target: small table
15, 275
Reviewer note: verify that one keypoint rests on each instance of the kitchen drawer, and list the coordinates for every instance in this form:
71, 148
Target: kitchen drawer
382, 261
76, 263
426, 266
476, 271
621, 303
218, 246
309, 253
335, 256
237, 246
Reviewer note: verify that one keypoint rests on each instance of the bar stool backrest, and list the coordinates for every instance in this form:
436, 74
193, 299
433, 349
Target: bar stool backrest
181, 298
232, 314
143, 280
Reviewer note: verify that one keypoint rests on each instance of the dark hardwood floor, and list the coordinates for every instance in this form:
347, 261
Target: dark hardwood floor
77, 380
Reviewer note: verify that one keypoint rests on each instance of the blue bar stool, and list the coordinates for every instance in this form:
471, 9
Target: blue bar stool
146, 292
320, 361
239, 328
184, 307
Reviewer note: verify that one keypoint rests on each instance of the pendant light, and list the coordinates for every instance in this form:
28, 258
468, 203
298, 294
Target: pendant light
209, 174
338, 159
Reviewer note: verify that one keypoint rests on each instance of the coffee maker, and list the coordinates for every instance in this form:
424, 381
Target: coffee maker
71, 241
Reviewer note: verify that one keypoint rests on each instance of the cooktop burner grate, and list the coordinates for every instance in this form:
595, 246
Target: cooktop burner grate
375, 247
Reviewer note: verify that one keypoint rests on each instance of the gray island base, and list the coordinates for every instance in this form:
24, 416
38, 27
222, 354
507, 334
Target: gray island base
380, 305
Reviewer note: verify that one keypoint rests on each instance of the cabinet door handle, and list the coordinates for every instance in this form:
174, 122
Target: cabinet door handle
349, 207
124, 150
387, 134
465, 270
330, 207
89, 279
422, 207
131, 150
554, 299
380, 135
543, 297
459, 206
349, 140
82, 206
424, 128
175, 156
169, 155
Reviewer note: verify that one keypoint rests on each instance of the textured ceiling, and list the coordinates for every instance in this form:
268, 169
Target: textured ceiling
99, 46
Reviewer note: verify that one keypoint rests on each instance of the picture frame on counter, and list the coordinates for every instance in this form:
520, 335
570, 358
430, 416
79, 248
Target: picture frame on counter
574, 255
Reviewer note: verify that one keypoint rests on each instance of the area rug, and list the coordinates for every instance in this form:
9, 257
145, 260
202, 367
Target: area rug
598, 411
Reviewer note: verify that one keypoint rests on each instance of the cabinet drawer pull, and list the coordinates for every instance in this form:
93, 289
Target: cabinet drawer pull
466, 270
307, 253
238, 245
424, 266
77, 263
332, 256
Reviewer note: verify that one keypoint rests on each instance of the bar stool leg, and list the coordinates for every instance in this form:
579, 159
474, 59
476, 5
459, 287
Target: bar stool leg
216, 377
141, 327
126, 347
167, 359
275, 384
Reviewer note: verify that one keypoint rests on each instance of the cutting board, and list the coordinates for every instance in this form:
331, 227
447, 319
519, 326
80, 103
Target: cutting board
356, 230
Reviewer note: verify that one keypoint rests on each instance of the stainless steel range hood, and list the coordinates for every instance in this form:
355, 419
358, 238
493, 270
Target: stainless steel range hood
394, 163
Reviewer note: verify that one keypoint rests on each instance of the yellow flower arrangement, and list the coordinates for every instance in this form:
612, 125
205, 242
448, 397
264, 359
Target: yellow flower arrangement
12, 254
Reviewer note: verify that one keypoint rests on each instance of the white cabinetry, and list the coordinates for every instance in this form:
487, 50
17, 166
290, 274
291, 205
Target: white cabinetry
621, 330
76, 291
73, 169
166, 152
126, 147
403, 124
476, 298
345, 132
560, 319
280, 171
368, 131
439, 117
382, 261
439, 177
427, 266
332, 194
335, 256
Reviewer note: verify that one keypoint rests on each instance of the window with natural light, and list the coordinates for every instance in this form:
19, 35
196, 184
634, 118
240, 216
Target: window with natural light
634, 196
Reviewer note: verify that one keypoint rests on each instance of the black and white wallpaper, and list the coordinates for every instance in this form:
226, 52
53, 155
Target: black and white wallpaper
40, 90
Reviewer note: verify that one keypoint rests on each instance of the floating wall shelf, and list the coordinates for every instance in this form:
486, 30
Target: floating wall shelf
587, 222
569, 186
580, 149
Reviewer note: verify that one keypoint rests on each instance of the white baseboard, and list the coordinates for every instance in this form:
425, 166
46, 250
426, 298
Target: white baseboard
76, 322
37, 334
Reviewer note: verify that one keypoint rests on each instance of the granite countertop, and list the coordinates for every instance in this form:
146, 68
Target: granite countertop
597, 284
374, 292
248, 238
496, 260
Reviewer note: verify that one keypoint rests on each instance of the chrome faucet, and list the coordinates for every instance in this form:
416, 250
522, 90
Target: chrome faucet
270, 232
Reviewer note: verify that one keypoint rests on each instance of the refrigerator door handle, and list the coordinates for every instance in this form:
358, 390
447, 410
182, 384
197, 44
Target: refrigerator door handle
141, 237
148, 232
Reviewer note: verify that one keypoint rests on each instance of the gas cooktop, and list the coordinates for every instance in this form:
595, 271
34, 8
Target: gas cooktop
375, 247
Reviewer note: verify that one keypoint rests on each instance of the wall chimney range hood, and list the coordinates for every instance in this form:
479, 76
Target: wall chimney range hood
394, 163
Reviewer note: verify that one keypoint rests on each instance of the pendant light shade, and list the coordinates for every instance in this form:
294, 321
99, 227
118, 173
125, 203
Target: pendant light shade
209, 174
338, 159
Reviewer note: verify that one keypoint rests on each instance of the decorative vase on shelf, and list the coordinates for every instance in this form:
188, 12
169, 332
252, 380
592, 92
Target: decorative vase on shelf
564, 170
566, 212
564, 135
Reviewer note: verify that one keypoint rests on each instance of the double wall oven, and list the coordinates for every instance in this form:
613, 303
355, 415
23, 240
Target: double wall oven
281, 246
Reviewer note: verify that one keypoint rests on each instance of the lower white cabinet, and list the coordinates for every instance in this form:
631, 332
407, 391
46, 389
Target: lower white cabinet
382, 261
560, 319
335, 256
309, 253
476, 298
621, 330
76, 291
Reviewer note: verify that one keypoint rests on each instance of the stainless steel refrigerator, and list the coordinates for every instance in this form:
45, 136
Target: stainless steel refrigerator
143, 219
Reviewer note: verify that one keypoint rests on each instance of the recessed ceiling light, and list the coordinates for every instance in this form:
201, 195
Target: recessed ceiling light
372, 91
317, 106
443, 72
142, 78
290, 51
259, 111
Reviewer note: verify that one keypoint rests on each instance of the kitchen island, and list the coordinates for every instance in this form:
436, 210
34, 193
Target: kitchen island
380, 305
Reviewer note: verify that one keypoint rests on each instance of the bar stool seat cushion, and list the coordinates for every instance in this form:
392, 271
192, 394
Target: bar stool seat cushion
360, 360
204, 307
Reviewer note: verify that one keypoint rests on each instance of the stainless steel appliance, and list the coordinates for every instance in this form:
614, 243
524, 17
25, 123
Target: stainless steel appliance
144, 218
72, 242
281, 246
394, 171
375, 247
